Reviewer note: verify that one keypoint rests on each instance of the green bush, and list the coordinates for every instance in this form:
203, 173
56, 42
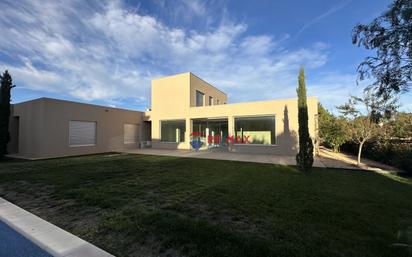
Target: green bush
395, 153
401, 156
333, 131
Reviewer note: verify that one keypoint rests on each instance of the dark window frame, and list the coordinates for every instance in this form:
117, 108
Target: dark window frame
199, 93
163, 137
210, 100
241, 121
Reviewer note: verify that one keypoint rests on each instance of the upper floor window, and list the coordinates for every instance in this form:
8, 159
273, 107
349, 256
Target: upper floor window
210, 100
199, 98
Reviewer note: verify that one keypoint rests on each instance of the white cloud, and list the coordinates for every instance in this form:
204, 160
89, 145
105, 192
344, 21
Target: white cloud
110, 52
38, 80
190, 11
196, 6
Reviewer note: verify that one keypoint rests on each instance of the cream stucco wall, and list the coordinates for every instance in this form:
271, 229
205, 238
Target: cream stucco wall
172, 98
197, 84
43, 124
171, 104
170, 95
44, 127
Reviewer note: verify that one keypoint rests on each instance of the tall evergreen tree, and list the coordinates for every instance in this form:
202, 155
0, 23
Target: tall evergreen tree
5, 95
304, 158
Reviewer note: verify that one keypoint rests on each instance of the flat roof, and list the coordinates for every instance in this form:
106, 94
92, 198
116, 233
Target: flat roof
190, 73
207, 83
74, 102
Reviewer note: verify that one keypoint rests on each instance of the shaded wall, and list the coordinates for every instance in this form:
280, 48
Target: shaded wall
197, 84
44, 127
13, 145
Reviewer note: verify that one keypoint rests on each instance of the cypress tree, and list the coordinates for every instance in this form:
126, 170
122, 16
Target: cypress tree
5, 96
304, 158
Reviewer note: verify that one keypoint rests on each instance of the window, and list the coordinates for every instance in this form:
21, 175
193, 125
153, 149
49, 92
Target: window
172, 131
82, 133
199, 98
131, 133
255, 130
217, 101
210, 100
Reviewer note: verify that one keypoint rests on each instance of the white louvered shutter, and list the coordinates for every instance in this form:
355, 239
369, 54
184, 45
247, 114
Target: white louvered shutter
82, 133
131, 133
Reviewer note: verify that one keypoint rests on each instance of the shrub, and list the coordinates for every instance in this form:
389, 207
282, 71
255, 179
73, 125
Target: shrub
395, 153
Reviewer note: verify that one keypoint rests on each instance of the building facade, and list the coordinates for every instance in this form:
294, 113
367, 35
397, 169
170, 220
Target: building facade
186, 113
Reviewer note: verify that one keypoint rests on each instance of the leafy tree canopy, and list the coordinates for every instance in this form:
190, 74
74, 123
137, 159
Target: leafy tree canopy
391, 36
364, 114
333, 131
376, 108
400, 126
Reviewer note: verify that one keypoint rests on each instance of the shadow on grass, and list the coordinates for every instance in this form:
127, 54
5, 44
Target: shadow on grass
201, 207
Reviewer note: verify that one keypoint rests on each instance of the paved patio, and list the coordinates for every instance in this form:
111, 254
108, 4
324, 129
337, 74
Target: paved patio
224, 155
326, 158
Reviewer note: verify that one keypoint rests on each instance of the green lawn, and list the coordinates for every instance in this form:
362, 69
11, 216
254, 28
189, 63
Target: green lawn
136, 205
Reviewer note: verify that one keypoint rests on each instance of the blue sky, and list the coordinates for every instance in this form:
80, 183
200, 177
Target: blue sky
106, 52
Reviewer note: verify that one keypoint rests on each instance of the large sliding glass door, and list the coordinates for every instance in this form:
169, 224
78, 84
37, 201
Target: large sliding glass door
255, 130
218, 132
212, 132
172, 131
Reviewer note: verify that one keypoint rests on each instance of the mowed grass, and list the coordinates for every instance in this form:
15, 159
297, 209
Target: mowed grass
138, 205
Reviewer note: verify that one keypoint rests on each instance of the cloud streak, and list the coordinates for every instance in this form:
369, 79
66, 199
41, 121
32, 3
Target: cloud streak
324, 15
